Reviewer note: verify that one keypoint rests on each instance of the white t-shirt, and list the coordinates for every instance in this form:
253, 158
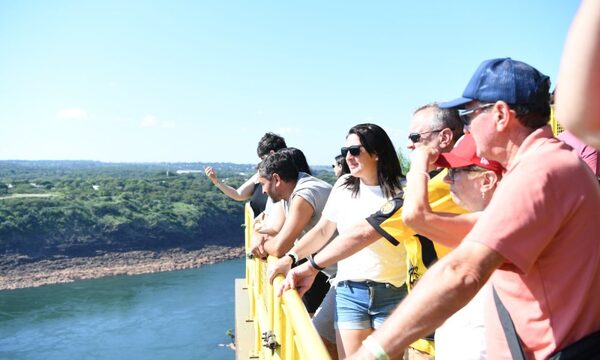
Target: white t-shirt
462, 336
381, 261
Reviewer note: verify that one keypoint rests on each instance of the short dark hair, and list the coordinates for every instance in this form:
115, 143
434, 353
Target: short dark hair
535, 114
299, 159
268, 142
280, 163
377, 142
445, 118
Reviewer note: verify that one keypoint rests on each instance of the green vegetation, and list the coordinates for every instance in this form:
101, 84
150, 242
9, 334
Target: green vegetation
83, 207
404, 160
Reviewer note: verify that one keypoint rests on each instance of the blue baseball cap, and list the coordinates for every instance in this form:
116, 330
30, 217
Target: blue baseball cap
505, 79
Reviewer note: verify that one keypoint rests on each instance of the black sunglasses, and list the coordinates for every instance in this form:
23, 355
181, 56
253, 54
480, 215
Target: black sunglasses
354, 150
416, 137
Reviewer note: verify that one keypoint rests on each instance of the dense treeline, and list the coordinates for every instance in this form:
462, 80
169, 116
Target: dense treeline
82, 207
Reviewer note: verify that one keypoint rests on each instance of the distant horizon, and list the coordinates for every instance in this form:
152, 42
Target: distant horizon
145, 162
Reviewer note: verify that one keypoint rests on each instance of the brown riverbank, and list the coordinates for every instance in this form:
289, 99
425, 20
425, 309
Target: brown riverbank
17, 272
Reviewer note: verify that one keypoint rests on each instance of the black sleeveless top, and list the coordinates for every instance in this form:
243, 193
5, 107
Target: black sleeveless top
258, 201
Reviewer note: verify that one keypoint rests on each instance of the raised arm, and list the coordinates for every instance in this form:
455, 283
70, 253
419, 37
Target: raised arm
444, 228
578, 90
244, 192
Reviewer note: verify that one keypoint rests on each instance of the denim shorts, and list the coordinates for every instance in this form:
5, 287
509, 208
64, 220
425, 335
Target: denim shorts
365, 304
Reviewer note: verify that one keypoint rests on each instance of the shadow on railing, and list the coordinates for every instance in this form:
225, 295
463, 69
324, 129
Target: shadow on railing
282, 326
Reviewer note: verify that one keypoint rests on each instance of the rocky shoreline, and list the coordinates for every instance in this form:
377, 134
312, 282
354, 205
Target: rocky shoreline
20, 272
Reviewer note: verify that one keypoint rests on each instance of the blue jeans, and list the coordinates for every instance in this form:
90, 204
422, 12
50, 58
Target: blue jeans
365, 304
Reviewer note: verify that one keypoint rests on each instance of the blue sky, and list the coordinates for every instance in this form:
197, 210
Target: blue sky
153, 81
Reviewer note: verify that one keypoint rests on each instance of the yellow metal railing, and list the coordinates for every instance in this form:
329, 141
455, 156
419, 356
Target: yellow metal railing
556, 127
282, 326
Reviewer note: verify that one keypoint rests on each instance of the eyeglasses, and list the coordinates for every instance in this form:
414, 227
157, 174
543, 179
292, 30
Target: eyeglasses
416, 137
354, 150
453, 171
468, 115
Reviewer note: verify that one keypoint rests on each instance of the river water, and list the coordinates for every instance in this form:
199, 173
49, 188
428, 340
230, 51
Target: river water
172, 315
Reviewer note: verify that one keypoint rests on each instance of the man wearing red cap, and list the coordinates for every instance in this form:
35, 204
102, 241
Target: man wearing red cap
537, 241
473, 181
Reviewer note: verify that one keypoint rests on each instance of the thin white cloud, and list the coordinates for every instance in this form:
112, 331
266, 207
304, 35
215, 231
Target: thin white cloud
151, 121
73, 114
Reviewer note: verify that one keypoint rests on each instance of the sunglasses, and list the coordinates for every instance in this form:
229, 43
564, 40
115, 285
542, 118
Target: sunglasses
468, 115
416, 137
453, 171
354, 150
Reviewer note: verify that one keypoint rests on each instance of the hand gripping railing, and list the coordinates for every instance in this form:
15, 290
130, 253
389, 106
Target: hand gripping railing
283, 329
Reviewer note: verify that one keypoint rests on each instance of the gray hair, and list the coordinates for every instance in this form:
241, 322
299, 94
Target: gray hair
444, 118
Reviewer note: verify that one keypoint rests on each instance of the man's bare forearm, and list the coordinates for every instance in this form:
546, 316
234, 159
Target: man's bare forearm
444, 289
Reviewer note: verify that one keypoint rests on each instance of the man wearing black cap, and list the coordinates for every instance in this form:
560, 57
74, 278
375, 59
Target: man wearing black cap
537, 241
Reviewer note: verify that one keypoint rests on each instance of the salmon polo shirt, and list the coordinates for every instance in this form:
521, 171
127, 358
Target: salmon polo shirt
544, 219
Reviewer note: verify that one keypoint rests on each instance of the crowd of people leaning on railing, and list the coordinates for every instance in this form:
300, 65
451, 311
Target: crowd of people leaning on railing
489, 247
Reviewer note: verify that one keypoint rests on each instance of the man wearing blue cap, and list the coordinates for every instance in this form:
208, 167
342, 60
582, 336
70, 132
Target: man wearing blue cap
538, 241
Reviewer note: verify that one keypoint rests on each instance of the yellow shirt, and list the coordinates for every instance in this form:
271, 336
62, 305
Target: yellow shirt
420, 251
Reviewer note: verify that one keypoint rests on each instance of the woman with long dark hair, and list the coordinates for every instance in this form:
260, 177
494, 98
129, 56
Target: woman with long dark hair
371, 282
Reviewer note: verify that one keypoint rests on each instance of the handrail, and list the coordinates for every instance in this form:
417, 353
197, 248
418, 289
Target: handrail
282, 326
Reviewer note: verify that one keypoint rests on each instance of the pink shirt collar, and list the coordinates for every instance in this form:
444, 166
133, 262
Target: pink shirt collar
530, 144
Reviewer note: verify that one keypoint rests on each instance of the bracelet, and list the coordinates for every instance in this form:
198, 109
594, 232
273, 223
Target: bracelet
294, 257
421, 173
314, 264
375, 349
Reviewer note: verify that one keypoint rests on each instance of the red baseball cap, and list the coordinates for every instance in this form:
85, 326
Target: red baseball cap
464, 154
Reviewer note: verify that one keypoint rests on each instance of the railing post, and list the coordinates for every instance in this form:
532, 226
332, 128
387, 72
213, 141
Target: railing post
284, 319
